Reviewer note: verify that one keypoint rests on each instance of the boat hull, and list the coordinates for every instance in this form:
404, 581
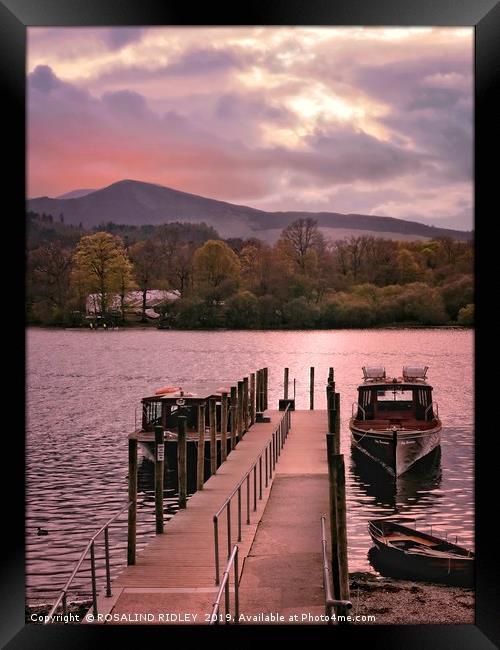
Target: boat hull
396, 451
451, 564
391, 562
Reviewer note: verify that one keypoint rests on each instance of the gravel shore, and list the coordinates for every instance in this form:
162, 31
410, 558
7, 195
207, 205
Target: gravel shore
392, 601
398, 602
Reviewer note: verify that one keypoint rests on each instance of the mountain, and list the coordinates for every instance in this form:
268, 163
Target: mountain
75, 194
137, 203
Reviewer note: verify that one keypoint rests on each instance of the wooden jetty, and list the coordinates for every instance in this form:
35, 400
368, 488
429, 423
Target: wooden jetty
176, 570
260, 516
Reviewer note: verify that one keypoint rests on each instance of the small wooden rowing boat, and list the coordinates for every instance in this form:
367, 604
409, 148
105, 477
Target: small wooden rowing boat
420, 555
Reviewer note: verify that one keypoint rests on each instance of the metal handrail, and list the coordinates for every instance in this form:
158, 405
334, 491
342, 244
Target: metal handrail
90, 546
436, 405
358, 406
270, 453
330, 601
224, 588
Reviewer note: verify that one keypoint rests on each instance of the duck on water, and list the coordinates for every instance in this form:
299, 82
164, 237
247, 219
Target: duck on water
395, 421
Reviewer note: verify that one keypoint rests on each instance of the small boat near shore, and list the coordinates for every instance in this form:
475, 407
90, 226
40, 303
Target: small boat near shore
419, 555
395, 421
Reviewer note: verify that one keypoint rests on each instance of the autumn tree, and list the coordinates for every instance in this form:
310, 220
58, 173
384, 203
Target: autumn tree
179, 269
100, 262
49, 269
216, 270
145, 256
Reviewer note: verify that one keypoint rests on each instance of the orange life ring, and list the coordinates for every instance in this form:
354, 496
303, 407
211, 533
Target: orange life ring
167, 389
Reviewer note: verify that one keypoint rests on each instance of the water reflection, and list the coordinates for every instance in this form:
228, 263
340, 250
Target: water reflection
421, 482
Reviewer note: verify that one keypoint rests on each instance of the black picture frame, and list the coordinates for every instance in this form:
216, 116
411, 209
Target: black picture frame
484, 15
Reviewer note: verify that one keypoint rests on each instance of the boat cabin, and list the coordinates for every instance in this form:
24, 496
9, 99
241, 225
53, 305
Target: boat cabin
408, 397
164, 408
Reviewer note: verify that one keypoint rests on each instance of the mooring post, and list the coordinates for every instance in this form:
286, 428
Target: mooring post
330, 375
395, 453
266, 389
342, 531
201, 447
182, 460
337, 422
223, 427
285, 384
252, 398
132, 499
234, 416
239, 418
311, 390
332, 481
259, 390
159, 467
212, 415
246, 402
330, 404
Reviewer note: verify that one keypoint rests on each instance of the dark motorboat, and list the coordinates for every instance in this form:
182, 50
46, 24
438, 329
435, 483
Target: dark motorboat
410, 553
395, 421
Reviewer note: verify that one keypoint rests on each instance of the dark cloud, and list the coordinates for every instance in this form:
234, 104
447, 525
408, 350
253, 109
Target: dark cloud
430, 103
126, 102
118, 37
43, 79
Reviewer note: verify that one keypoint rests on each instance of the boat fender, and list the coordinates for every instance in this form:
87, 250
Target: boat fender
167, 389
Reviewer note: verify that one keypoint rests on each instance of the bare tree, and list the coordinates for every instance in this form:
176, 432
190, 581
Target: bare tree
301, 238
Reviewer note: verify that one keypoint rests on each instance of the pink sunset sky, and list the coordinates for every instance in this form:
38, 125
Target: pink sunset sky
367, 120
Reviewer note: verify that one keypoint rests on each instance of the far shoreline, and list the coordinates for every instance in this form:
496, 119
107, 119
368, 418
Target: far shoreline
142, 327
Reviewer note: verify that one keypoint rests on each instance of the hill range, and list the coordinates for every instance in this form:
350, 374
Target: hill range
138, 203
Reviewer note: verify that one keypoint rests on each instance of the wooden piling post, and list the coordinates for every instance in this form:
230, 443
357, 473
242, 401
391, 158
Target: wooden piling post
234, 416
239, 418
252, 398
332, 481
337, 422
265, 405
182, 461
285, 384
132, 498
330, 408
223, 426
342, 531
212, 418
259, 390
311, 390
201, 447
159, 468
395, 453
246, 403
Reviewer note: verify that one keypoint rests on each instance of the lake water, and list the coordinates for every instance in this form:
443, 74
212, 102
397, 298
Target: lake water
84, 388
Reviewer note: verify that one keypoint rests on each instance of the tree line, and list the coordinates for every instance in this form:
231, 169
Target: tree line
302, 281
